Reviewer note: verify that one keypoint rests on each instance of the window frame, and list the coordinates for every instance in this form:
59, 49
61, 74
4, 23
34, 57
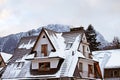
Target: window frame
80, 67
42, 49
90, 69
44, 66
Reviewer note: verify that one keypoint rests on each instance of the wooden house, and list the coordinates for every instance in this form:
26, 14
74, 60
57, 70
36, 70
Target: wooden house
53, 56
109, 63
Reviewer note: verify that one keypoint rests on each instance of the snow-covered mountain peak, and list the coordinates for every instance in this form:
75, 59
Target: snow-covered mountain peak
10, 42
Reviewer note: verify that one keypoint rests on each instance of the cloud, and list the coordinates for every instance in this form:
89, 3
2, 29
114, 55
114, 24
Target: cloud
24, 15
2, 1
4, 14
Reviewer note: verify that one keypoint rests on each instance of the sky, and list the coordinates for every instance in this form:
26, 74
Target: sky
23, 15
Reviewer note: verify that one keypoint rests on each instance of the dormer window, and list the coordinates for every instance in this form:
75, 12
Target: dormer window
68, 45
43, 36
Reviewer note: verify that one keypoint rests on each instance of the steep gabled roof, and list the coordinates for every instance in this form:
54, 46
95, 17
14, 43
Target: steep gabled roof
57, 41
24, 46
71, 36
48, 33
67, 36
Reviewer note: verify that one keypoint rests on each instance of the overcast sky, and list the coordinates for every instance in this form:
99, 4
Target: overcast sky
23, 15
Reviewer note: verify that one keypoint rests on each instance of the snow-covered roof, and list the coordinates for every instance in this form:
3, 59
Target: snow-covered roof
71, 36
107, 58
27, 42
62, 39
56, 39
59, 41
5, 56
24, 47
70, 62
70, 56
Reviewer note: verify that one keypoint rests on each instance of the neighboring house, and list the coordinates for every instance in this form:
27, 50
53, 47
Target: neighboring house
53, 56
109, 63
4, 59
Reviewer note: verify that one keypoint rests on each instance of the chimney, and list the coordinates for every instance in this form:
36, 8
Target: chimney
77, 29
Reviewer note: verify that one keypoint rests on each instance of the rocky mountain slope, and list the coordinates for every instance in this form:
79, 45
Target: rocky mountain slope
9, 43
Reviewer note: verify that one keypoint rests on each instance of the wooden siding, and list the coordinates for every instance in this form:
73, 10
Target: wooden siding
112, 73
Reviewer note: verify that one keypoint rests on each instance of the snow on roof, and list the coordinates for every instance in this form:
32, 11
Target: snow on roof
30, 56
58, 53
28, 45
56, 39
5, 56
107, 58
70, 61
70, 57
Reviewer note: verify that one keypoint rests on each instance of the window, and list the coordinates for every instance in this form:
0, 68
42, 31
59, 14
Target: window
44, 66
87, 48
90, 69
83, 50
44, 49
80, 66
114, 73
68, 45
43, 36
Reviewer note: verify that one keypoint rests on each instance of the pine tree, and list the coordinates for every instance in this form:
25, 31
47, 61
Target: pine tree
116, 43
91, 38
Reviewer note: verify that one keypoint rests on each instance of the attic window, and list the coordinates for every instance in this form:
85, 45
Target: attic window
87, 48
68, 46
43, 36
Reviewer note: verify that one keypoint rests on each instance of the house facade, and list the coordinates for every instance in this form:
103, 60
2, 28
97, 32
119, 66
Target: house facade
54, 56
109, 63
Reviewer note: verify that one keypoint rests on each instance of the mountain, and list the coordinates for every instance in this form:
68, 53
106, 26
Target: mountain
9, 43
102, 40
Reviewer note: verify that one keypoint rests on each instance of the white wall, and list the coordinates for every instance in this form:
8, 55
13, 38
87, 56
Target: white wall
85, 44
54, 63
35, 65
40, 42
